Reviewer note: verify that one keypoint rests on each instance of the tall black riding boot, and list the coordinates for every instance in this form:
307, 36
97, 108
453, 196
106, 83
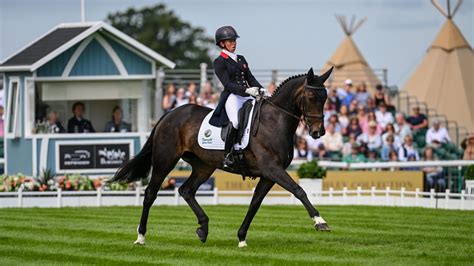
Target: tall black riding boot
228, 149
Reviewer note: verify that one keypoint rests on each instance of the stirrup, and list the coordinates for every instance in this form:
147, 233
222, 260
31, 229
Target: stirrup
229, 161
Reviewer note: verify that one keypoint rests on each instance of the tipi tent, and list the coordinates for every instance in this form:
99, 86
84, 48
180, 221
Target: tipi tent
348, 61
444, 78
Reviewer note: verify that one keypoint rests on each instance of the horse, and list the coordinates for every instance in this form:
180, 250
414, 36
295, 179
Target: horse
267, 155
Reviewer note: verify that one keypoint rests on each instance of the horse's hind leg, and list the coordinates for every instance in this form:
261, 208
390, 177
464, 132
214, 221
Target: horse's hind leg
161, 169
263, 186
199, 175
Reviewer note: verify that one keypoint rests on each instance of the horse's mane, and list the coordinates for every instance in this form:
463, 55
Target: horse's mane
286, 81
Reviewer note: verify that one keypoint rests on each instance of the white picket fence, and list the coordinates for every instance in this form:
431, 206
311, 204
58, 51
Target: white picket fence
373, 197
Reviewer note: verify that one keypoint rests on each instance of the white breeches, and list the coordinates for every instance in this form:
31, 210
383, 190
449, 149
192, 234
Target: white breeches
232, 106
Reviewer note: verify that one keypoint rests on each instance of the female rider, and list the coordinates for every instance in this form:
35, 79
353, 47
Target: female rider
239, 85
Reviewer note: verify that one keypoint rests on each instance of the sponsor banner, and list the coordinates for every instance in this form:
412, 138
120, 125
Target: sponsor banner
410, 180
92, 157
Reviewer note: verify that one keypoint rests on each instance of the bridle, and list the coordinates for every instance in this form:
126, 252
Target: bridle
302, 105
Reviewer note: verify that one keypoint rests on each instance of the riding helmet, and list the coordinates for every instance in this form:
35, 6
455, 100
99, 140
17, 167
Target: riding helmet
225, 33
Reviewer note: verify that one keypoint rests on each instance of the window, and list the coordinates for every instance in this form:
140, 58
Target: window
13, 118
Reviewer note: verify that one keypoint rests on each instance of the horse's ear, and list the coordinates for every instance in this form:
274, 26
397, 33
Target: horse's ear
326, 75
310, 76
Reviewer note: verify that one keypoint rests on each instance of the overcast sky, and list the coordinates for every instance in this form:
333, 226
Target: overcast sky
275, 34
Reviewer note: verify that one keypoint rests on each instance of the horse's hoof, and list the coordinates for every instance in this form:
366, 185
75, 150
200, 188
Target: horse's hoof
242, 244
140, 240
201, 234
322, 227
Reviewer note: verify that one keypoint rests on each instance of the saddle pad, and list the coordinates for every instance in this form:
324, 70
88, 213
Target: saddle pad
209, 136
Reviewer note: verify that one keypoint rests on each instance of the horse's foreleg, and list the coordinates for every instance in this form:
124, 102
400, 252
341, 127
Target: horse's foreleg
263, 186
281, 177
188, 190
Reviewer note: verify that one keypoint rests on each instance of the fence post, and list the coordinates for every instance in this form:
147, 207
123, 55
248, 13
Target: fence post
275, 76
372, 195
60, 203
402, 196
358, 194
462, 199
160, 79
216, 196
446, 199
344, 195
387, 196
417, 191
99, 196
20, 197
331, 191
203, 80
432, 198
137, 196
176, 196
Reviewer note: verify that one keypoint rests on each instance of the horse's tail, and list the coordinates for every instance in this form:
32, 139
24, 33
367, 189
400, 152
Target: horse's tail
139, 166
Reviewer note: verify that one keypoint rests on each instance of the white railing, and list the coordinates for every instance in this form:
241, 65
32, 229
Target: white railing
389, 165
374, 197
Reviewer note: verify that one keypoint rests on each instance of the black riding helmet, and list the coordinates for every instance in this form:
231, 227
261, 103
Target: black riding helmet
225, 33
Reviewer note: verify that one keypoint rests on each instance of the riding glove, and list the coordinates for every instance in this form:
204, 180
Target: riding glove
253, 91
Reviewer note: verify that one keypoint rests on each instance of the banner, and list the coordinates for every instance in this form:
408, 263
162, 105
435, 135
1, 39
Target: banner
410, 180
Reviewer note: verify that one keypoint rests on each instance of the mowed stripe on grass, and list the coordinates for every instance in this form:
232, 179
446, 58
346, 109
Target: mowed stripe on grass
279, 235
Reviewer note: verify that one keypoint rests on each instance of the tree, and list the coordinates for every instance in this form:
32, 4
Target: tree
161, 30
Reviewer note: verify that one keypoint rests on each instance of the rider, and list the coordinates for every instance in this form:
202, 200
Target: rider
239, 85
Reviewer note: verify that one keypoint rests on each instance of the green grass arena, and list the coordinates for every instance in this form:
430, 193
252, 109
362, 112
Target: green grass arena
279, 235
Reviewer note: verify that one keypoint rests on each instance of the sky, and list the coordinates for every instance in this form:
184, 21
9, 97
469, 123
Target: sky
275, 34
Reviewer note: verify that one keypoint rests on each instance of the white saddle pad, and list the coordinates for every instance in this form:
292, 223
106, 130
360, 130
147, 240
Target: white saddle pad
209, 136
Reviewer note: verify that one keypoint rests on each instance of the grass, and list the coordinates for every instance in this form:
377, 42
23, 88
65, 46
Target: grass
279, 235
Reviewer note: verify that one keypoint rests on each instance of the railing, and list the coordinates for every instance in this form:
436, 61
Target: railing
373, 197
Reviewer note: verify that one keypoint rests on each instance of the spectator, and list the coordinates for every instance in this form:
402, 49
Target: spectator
408, 150
371, 117
372, 138
343, 117
354, 156
301, 130
383, 117
333, 120
388, 147
393, 155
181, 97
390, 130
271, 88
418, 120
2, 124
433, 174
372, 156
327, 112
437, 135
53, 123
347, 95
469, 151
332, 140
191, 90
371, 107
402, 129
212, 102
117, 124
322, 153
380, 96
192, 99
77, 123
362, 96
333, 101
353, 107
169, 99
362, 116
347, 147
205, 98
354, 127
301, 150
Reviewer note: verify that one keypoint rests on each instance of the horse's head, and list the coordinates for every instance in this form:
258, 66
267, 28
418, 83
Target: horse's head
312, 102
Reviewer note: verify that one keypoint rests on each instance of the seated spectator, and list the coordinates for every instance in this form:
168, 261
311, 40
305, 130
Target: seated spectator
77, 123
361, 116
354, 156
321, 152
433, 174
333, 120
191, 91
206, 95
469, 150
169, 99
181, 97
372, 138
347, 147
393, 155
192, 99
388, 147
343, 117
354, 127
53, 123
417, 121
371, 118
371, 107
390, 130
383, 117
332, 140
212, 102
353, 107
437, 135
362, 96
327, 112
407, 150
271, 88
333, 101
402, 128
346, 96
380, 96
301, 151
372, 156
117, 124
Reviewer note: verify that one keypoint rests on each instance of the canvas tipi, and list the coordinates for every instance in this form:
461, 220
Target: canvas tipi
348, 61
444, 78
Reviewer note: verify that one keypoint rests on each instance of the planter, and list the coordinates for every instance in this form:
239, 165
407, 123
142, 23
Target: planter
311, 185
469, 186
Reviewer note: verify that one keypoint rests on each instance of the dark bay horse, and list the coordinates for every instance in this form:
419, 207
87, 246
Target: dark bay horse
268, 154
